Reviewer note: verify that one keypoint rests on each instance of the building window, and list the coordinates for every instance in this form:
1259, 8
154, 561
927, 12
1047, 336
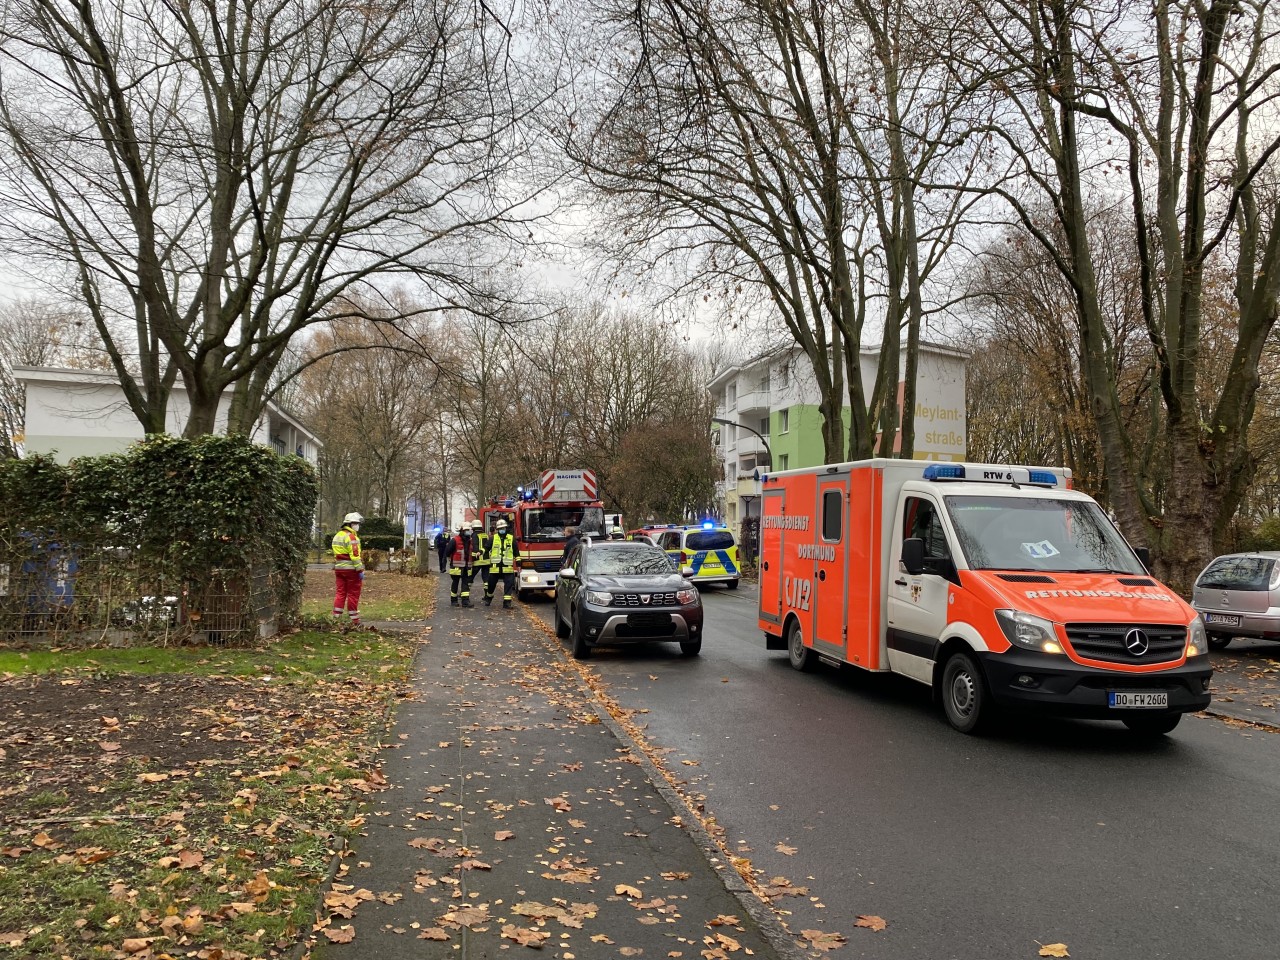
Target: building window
784, 461
731, 396
764, 426
784, 421
783, 375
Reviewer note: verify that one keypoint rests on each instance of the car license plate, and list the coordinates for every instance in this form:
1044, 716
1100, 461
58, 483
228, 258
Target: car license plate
1226, 619
1137, 699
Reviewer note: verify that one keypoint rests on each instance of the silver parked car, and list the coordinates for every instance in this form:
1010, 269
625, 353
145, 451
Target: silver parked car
1239, 596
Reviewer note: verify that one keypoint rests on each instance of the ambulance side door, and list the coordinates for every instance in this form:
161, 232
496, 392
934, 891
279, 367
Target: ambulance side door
772, 509
830, 577
918, 604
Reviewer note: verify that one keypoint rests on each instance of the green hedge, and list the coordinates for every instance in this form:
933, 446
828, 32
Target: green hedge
211, 516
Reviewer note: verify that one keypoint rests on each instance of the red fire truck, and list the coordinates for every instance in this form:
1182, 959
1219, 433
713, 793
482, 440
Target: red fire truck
539, 513
994, 585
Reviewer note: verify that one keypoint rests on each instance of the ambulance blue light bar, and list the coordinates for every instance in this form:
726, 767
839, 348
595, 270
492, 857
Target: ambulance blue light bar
708, 525
1013, 475
939, 471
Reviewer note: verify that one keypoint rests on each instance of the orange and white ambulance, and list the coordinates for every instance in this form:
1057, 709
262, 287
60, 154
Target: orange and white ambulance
998, 586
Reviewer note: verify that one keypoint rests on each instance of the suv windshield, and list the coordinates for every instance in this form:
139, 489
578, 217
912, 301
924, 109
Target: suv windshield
1237, 573
605, 560
548, 523
1064, 536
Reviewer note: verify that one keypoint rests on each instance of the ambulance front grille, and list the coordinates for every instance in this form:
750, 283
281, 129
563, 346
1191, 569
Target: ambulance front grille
639, 600
1107, 641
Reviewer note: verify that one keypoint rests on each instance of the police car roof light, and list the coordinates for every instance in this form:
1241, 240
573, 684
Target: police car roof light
940, 471
708, 525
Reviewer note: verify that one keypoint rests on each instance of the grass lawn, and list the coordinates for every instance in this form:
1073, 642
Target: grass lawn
183, 801
386, 595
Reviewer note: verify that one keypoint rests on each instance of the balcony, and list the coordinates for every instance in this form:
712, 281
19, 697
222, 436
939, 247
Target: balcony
754, 402
749, 445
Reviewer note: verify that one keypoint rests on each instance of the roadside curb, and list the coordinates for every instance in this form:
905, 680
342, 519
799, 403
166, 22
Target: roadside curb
760, 912
1232, 713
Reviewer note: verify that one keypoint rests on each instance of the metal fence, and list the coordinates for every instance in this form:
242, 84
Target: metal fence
57, 596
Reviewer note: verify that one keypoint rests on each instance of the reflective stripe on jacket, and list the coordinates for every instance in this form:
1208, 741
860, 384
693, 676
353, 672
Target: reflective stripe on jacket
480, 549
503, 553
346, 550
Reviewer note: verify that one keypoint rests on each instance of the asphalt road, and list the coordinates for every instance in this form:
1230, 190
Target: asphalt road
970, 848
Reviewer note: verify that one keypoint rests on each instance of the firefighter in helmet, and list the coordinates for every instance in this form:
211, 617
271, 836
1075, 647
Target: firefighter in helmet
503, 554
459, 557
348, 568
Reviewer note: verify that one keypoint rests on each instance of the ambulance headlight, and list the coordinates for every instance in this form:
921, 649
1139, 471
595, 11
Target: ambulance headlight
599, 597
1197, 639
1028, 631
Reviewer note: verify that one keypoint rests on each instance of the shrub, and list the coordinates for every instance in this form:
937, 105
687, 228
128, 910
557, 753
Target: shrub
210, 533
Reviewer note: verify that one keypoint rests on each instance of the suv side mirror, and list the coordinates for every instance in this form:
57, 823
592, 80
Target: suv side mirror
686, 571
569, 573
1144, 557
913, 556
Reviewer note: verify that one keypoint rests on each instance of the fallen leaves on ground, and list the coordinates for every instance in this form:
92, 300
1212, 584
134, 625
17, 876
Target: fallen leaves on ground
824, 940
1054, 950
871, 923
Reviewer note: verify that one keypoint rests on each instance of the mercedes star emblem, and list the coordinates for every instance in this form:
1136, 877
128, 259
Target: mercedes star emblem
1136, 642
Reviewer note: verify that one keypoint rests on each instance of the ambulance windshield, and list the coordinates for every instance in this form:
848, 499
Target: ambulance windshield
549, 523
1063, 536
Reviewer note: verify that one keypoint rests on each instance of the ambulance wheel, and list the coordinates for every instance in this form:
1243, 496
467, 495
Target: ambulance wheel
1220, 641
964, 694
581, 649
733, 584
801, 657
1152, 726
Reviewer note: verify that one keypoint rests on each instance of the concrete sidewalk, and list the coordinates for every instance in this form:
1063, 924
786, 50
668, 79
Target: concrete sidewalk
517, 816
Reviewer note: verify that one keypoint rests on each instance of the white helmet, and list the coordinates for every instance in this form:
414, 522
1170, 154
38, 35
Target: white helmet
477, 525
501, 525
353, 518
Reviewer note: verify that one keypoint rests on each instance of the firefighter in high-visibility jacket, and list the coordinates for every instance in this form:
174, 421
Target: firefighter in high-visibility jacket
503, 554
348, 568
458, 555
479, 553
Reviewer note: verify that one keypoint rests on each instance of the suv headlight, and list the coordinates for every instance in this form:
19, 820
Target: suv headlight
1028, 631
1197, 639
599, 598
686, 597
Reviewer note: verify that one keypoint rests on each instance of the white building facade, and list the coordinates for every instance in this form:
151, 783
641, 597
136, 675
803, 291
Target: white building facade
80, 413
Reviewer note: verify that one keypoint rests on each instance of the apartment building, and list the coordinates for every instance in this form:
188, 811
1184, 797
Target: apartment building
770, 403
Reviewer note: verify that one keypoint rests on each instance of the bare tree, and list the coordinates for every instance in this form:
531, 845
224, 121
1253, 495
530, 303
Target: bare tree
750, 143
368, 390
222, 174
1170, 105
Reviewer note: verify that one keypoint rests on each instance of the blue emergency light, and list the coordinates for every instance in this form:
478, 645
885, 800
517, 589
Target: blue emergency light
1042, 477
939, 471
708, 525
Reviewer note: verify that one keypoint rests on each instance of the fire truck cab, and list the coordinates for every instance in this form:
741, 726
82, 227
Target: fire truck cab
997, 586
539, 515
